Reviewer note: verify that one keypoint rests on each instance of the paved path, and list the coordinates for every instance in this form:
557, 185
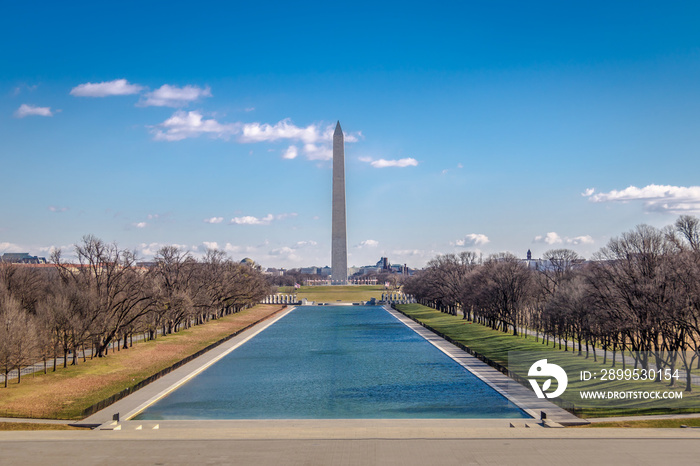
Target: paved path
423, 443
521, 396
34, 421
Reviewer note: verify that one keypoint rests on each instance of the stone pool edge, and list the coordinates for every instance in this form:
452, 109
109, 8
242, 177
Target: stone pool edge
134, 404
137, 402
502, 384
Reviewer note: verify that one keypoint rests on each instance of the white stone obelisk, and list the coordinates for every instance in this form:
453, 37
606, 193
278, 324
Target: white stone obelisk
339, 246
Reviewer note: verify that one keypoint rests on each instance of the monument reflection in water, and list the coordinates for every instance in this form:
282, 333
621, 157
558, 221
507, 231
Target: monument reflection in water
335, 362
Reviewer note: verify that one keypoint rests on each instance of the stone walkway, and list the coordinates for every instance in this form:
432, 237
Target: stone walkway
525, 399
403, 443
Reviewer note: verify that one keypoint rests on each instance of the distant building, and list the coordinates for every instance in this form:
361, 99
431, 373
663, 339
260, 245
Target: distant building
22, 258
383, 264
251, 263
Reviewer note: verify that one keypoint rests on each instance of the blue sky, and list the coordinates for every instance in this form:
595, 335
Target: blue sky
491, 126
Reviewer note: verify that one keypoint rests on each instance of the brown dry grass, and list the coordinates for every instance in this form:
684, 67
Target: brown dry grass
64, 394
36, 426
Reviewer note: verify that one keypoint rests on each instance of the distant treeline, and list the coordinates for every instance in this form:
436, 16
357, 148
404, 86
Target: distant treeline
640, 293
105, 299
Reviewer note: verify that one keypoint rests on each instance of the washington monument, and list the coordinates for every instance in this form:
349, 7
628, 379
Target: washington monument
339, 245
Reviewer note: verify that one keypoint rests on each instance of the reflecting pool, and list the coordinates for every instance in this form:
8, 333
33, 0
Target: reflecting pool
335, 362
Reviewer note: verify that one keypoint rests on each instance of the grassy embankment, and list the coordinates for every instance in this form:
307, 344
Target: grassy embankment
648, 423
496, 345
66, 393
334, 294
36, 426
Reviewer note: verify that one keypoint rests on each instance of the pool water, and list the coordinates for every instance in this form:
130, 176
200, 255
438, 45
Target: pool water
335, 362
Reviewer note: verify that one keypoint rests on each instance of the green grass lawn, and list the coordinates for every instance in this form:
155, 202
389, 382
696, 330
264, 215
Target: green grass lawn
334, 294
650, 423
497, 345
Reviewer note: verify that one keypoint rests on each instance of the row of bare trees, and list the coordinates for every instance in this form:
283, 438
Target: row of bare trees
639, 293
105, 298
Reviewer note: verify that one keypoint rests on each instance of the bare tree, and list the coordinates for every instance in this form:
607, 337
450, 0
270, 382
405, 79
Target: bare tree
117, 288
509, 283
18, 340
172, 290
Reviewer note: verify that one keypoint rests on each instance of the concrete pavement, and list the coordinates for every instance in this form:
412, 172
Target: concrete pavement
323, 442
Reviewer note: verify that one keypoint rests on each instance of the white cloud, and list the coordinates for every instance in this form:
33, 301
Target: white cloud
285, 253
447, 170
369, 243
107, 88
291, 153
554, 238
211, 244
266, 220
285, 250
230, 248
408, 252
550, 238
659, 198
48, 250
173, 96
11, 247
26, 110
383, 163
285, 129
250, 220
316, 141
184, 125
318, 152
302, 244
472, 239
150, 249
214, 220
587, 239
140, 224
54, 208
